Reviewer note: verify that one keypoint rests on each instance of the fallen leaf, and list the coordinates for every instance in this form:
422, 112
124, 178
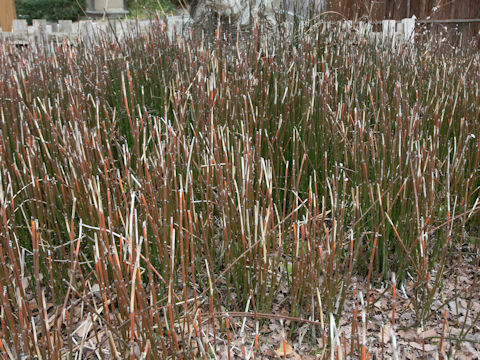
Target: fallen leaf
96, 289
429, 334
385, 338
463, 355
84, 328
419, 346
25, 282
408, 335
284, 349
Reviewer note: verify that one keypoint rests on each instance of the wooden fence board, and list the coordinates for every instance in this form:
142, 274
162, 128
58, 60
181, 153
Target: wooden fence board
424, 10
7, 14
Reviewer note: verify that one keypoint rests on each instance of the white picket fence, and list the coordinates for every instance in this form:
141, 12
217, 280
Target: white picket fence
392, 30
23, 33
403, 30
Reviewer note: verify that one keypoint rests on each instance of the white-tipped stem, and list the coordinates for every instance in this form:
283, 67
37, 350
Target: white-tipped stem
394, 344
242, 332
321, 309
332, 336
364, 319
334, 339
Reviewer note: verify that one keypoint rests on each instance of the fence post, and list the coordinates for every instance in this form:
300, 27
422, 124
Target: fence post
388, 29
40, 28
409, 29
364, 29
86, 31
20, 29
65, 26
